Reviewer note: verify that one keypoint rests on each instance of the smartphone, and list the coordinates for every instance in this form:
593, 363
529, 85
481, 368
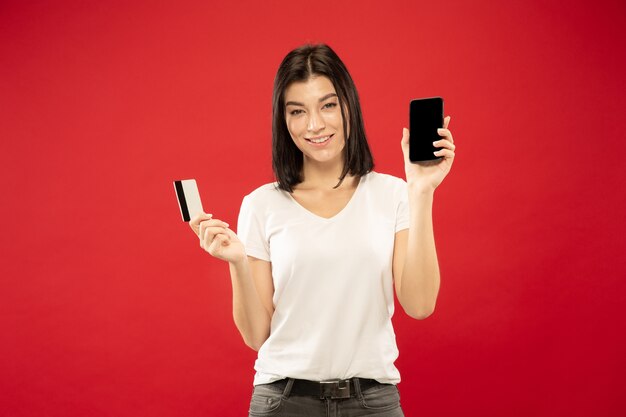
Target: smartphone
188, 198
425, 117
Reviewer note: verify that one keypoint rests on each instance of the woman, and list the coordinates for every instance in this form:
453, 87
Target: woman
318, 253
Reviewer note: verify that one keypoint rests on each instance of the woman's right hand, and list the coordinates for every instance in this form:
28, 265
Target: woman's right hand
217, 239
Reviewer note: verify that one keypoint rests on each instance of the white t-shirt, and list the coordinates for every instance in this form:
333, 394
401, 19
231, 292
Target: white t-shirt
333, 283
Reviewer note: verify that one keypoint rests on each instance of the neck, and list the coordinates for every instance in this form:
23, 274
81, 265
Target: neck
323, 175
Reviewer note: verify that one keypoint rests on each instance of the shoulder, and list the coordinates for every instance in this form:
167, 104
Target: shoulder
265, 191
384, 182
264, 196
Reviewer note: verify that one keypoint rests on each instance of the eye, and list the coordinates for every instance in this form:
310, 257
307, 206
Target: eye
295, 112
329, 105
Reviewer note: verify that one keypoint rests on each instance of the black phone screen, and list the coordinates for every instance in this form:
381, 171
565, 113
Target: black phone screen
425, 117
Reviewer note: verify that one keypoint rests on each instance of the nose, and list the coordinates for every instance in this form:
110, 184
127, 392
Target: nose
316, 122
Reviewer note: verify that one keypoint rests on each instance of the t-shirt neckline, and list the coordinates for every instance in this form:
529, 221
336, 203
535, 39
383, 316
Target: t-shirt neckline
340, 213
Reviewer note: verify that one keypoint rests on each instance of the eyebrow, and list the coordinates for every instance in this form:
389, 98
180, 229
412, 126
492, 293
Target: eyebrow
296, 103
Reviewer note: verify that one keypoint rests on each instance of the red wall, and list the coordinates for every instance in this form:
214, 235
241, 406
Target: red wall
108, 307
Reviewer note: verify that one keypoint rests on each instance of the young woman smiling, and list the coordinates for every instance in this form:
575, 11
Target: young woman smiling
318, 254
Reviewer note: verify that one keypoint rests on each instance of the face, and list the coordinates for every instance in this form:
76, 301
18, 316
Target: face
314, 120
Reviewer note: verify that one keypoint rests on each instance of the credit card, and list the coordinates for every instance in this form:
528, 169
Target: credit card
188, 198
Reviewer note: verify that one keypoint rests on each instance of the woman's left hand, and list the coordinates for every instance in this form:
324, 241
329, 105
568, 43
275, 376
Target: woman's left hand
428, 175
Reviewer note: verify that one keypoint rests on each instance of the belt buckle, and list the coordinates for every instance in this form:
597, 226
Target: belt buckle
335, 389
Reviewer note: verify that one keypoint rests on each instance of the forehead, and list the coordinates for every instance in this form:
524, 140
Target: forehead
309, 90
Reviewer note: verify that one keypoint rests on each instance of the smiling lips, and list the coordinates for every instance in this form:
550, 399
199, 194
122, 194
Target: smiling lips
320, 140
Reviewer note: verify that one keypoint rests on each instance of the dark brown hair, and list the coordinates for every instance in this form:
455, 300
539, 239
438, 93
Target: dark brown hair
298, 66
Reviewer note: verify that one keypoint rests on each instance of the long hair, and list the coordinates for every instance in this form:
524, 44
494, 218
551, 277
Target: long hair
298, 66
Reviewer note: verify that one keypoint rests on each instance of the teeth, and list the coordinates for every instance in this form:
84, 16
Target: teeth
320, 140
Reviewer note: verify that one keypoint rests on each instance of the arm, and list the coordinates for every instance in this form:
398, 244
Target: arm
251, 278
416, 275
415, 264
253, 308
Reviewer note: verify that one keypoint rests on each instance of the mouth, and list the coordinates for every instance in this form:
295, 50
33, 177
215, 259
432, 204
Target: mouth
319, 140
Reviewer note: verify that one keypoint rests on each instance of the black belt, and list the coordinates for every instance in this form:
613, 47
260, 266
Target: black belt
333, 389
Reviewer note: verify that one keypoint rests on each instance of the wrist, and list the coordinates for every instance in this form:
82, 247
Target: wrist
420, 189
239, 263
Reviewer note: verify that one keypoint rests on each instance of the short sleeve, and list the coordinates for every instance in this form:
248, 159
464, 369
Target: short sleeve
402, 207
251, 232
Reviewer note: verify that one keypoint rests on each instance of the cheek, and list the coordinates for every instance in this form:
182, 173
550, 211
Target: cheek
338, 123
333, 121
294, 127
294, 132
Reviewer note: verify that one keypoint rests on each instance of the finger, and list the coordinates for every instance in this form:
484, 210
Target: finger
404, 143
446, 121
446, 134
219, 241
213, 230
443, 143
446, 153
200, 217
223, 239
210, 238
213, 222
210, 223
208, 234
405, 138
194, 223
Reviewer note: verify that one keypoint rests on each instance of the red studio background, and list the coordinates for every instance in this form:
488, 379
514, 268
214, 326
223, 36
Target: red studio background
108, 307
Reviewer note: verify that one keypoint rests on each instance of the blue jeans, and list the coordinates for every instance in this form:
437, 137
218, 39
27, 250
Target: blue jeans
382, 400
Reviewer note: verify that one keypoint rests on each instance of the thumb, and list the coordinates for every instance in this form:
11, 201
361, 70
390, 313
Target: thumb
200, 217
405, 141
194, 223
218, 241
